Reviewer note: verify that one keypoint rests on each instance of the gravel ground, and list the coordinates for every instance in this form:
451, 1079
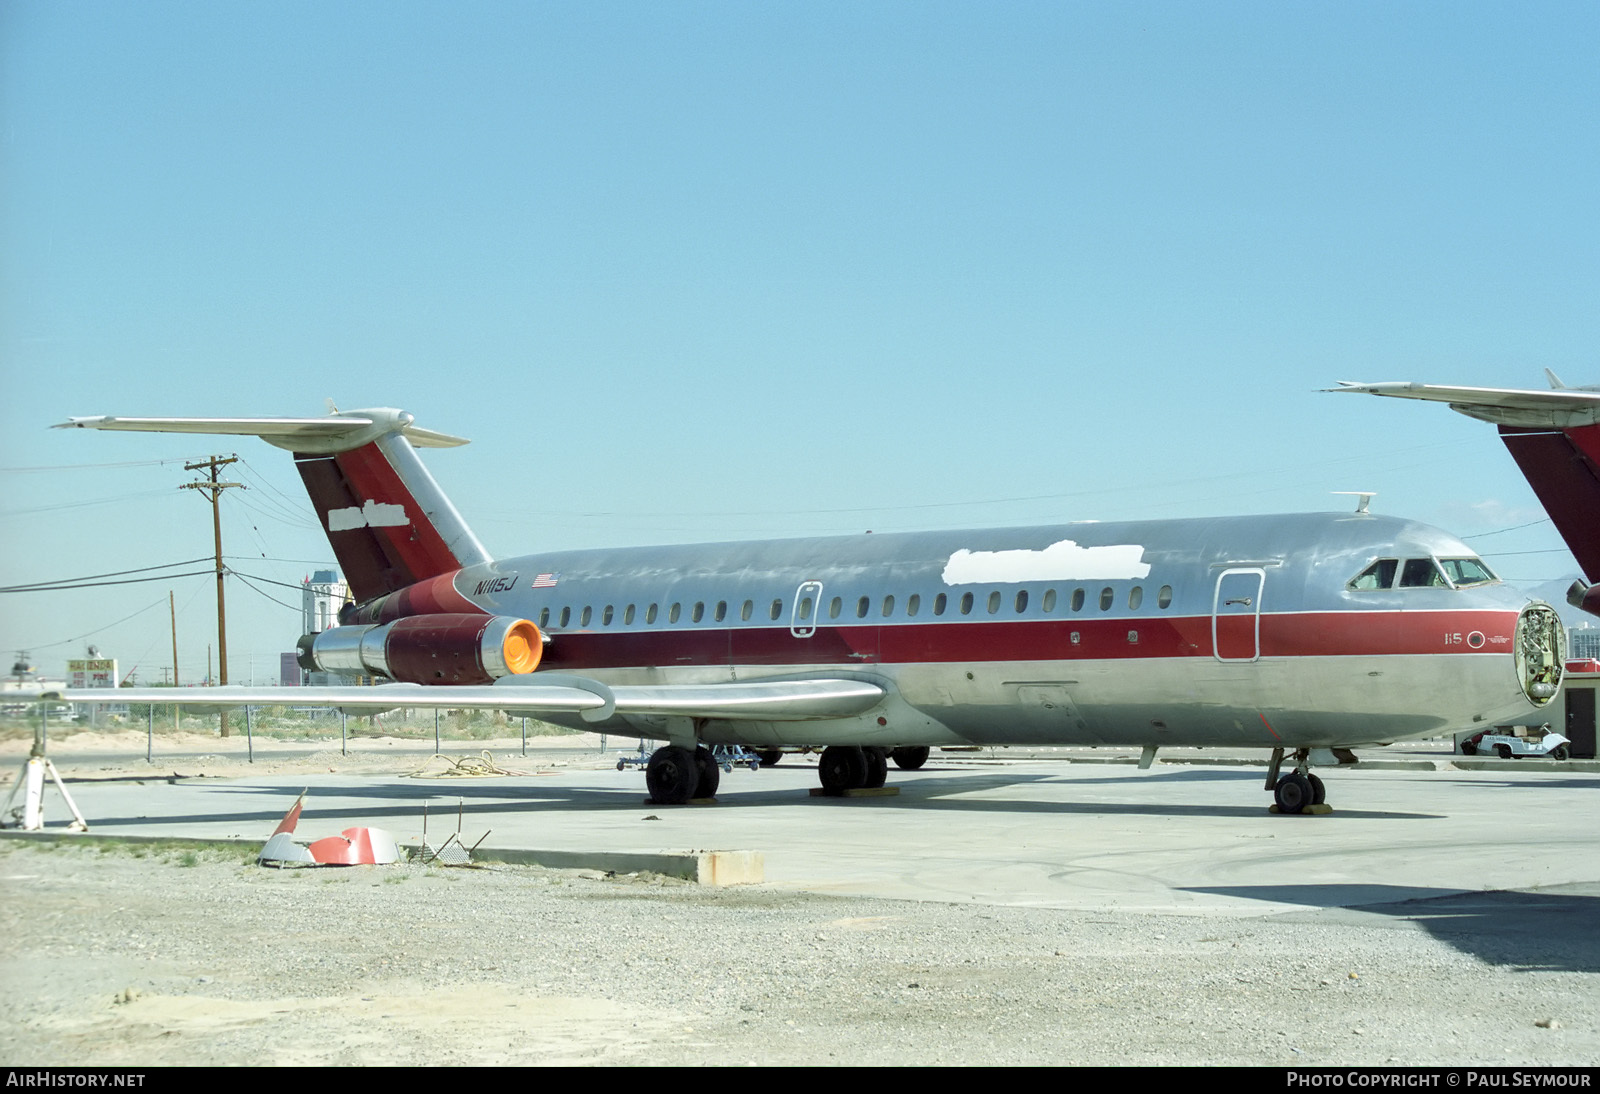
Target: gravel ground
124, 955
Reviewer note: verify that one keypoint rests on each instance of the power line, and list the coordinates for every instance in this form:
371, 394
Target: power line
81, 504
86, 466
1513, 528
266, 580
95, 579
98, 584
246, 581
97, 630
1508, 554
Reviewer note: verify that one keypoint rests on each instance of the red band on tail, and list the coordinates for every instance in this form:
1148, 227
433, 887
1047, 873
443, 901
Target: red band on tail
1564, 470
380, 535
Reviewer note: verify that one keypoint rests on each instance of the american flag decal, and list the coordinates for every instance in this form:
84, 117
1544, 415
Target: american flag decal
546, 581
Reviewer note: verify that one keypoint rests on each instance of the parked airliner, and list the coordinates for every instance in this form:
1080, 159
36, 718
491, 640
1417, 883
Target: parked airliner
1286, 633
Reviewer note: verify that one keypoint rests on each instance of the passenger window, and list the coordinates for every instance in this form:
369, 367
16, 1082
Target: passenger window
1022, 601
722, 610
1135, 598
1107, 597
650, 614
1380, 575
605, 616
777, 608
1049, 604
627, 616
673, 612
1421, 573
861, 607
938, 604
583, 620
805, 607
913, 603
747, 611
1164, 597
888, 606
699, 612
1077, 600
544, 618
566, 616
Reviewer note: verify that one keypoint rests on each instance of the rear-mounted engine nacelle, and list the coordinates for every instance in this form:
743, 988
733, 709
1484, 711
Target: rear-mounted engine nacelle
428, 649
1586, 597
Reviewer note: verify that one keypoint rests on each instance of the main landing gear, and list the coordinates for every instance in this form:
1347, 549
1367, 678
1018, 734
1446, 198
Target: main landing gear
1299, 791
845, 767
677, 775
909, 757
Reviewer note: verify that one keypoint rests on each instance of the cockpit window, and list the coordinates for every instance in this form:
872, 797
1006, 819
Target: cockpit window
1421, 573
1380, 575
1467, 571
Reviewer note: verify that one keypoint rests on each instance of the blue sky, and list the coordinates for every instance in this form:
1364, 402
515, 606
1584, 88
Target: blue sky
690, 271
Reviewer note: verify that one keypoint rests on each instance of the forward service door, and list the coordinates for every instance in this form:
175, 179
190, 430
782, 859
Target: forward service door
1236, 614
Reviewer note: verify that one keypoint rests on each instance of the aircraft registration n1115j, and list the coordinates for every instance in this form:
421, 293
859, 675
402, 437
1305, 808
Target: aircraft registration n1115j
1286, 633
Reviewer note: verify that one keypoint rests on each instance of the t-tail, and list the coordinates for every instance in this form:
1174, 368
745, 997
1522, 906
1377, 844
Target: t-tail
1554, 436
388, 522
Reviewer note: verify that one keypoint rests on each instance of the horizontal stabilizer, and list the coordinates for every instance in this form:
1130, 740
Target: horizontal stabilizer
1562, 408
334, 433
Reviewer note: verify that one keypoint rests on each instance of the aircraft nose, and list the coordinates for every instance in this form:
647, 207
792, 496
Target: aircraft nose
1541, 652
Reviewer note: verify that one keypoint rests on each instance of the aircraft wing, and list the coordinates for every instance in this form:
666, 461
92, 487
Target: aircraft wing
1561, 408
542, 693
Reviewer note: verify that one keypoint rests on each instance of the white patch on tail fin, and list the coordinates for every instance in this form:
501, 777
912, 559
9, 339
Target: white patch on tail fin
374, 514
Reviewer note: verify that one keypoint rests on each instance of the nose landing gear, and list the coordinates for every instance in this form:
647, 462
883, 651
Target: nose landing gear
1299, 791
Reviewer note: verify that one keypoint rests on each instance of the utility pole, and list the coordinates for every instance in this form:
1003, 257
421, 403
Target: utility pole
214, 487
173, 611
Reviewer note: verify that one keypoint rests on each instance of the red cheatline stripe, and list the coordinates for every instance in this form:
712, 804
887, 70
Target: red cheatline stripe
1315, 634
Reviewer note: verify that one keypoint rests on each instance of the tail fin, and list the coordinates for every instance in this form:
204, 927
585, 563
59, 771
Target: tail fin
1563, 467
388, 522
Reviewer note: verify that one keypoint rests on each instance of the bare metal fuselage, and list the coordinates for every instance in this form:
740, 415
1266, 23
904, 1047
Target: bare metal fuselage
1230, 631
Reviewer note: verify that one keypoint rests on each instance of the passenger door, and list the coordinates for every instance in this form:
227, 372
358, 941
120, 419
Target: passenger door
1236, 614
807, 603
